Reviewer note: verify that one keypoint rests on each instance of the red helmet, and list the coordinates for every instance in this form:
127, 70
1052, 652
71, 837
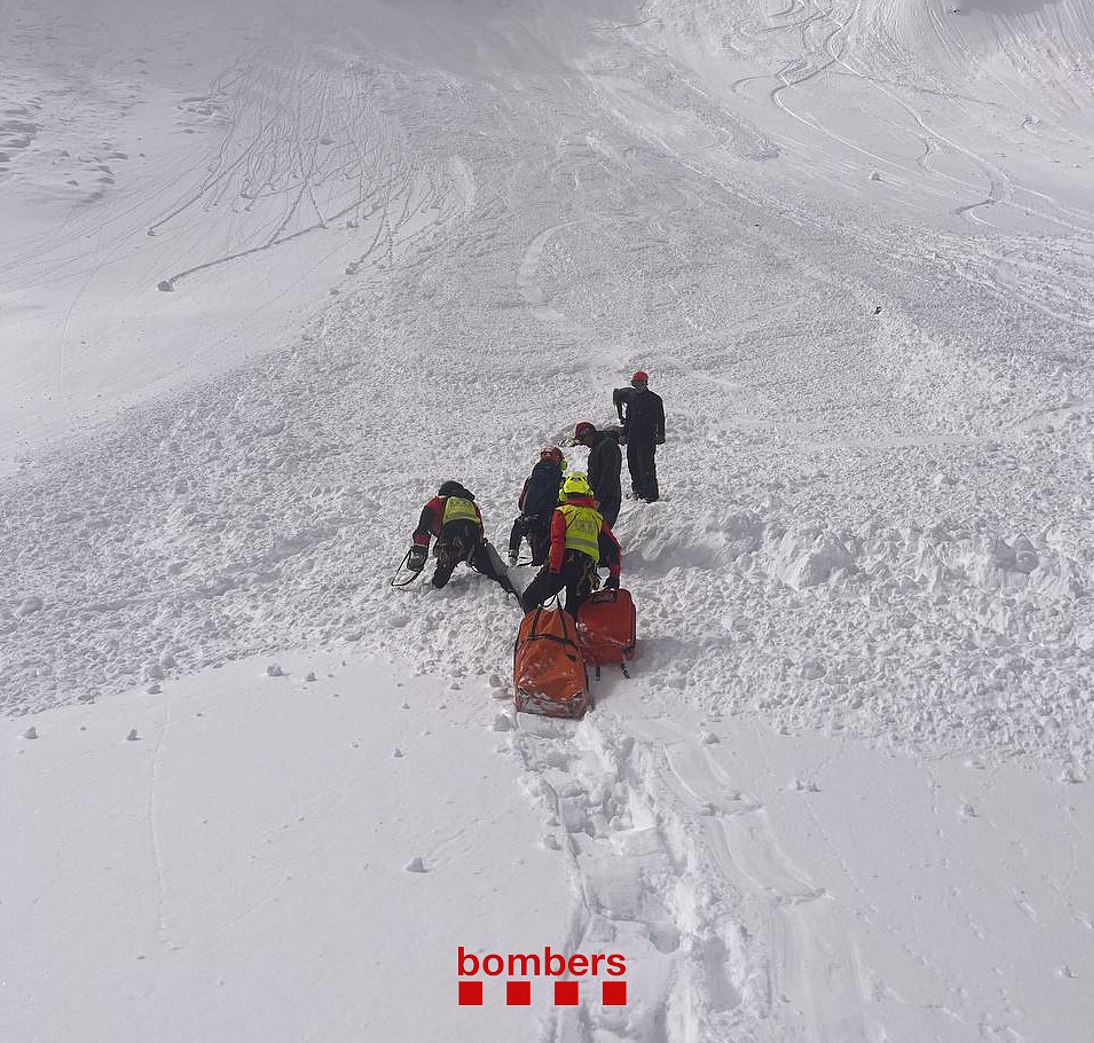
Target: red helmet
641, 377
552, 454
584, 430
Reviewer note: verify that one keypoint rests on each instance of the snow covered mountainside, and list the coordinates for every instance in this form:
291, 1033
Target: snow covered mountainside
272, 272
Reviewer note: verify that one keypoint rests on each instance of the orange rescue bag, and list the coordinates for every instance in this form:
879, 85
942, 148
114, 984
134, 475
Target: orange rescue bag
607, 628
548, 671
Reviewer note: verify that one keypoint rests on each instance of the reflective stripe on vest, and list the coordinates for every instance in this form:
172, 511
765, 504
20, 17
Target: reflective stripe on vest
456, 508
583, 530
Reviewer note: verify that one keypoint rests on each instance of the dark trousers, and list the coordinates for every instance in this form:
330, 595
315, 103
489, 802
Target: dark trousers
575, 577
609, 510
643, 467
461, 541
538, 531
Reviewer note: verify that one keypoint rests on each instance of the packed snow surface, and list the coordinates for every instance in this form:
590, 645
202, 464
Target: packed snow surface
271, 272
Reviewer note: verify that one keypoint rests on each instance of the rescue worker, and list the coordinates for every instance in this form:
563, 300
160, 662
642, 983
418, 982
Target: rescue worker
643, 431
455, 519
604, 467
537, 502
580, 541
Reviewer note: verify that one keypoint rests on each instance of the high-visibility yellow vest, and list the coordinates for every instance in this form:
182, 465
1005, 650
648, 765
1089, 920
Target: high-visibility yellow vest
583, 529
456, 508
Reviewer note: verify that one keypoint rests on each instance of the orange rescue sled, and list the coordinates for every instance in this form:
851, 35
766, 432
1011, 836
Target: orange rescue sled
548, 671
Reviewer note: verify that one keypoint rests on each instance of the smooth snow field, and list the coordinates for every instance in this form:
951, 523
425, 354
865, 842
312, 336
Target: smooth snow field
272, 271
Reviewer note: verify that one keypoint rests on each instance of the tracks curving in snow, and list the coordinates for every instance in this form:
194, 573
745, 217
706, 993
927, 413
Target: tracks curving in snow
873, 545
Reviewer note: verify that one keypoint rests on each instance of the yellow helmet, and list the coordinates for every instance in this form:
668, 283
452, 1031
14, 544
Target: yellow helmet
577, 485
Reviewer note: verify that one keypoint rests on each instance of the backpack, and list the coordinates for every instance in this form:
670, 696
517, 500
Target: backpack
607, 628
548, 671
541, 489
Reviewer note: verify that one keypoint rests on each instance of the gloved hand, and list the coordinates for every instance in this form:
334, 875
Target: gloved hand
612, 583
416, 559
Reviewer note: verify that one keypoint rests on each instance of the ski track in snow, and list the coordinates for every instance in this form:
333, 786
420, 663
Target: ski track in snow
877, 499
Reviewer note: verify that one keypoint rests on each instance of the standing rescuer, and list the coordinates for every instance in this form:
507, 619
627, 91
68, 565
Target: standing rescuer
580, 541
642, 414
605, 465
455, 519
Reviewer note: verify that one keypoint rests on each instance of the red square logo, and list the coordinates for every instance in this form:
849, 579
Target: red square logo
518, 993
615, 994
565, 993
470, 993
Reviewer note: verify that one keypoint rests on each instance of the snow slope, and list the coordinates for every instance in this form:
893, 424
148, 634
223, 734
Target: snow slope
159, 149
241, 872
844, 795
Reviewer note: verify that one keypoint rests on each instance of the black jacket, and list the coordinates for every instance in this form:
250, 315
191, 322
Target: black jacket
644, 420
539, 497
605, 463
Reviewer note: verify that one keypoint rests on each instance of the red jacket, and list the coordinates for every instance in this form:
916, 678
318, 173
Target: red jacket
432, 518
609, 545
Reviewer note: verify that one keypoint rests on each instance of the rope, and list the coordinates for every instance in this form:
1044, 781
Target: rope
395, 582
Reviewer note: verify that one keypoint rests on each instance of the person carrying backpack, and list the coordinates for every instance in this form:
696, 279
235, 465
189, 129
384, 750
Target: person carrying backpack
537, 502
643, 430
604, 467
580, 541
455, 519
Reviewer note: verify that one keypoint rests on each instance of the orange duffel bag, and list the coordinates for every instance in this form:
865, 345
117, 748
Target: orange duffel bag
548, 671
607, 628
